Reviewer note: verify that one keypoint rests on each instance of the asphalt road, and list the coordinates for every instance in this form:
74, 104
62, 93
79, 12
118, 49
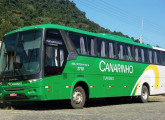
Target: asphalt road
94, 110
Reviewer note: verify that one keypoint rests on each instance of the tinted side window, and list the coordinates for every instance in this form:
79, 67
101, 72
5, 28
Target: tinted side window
163, 58
121, 51
79, 42
144, 55
111, 50
101, 48
156, 57
151, 56
137, 53
91, 46
55, 53
129, 54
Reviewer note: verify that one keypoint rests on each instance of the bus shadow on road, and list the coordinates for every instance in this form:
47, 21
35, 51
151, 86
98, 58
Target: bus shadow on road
109, 102
115, 101
38, 105
60, 105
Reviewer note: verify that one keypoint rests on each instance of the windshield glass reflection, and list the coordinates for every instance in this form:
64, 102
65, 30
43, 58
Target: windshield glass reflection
20, 54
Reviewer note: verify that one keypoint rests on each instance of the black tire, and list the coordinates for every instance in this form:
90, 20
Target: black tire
78, 98
144, 95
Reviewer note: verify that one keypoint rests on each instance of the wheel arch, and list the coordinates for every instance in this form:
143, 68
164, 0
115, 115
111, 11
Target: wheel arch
84, 85
147, 85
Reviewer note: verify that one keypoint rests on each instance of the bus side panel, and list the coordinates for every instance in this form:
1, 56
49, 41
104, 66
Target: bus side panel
57, 87
154, 76
106, 78
129, 82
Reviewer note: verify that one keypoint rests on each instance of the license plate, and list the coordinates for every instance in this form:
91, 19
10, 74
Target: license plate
13, 94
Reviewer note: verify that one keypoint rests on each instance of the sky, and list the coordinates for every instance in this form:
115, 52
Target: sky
131, 17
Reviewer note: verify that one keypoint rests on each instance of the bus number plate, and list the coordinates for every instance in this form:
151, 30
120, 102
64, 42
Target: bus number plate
13, 94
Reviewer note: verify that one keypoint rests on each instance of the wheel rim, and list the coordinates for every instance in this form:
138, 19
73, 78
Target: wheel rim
77, 97
144, 94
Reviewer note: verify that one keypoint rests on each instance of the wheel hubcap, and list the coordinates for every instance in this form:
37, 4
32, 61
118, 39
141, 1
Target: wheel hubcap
144, 94
77, 97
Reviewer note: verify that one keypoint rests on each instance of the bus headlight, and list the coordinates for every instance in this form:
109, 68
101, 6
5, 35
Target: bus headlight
34, 80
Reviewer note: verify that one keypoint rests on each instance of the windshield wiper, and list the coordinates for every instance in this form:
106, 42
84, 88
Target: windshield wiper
18, 66
3, 72
31, 53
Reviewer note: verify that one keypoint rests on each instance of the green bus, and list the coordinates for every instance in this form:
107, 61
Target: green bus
54, 62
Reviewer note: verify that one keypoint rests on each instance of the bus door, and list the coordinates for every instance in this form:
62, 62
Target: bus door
55, 60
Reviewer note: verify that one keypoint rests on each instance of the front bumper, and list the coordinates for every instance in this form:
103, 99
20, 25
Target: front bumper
26, 92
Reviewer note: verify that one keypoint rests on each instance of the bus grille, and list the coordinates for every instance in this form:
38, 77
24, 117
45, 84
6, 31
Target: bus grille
15, 89
19, 96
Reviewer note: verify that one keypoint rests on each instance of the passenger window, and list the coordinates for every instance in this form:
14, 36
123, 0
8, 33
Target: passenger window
83, 45
163, 57
144, 55
121, 51
137, 53
111, 50
91, 46
80, 43
129, 54
156, 57
151, 56
101, 48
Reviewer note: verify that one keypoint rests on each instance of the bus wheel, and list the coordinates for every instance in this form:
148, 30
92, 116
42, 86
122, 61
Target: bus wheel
144, 94
78, 98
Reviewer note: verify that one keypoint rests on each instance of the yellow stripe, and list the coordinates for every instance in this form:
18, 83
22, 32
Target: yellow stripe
137, 86
156, 71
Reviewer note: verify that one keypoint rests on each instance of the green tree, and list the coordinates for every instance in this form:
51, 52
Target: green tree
15, 14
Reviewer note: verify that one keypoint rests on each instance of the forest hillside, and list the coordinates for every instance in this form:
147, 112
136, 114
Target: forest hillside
15, 14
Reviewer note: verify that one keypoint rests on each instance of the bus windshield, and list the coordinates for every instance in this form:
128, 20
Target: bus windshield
20, 54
